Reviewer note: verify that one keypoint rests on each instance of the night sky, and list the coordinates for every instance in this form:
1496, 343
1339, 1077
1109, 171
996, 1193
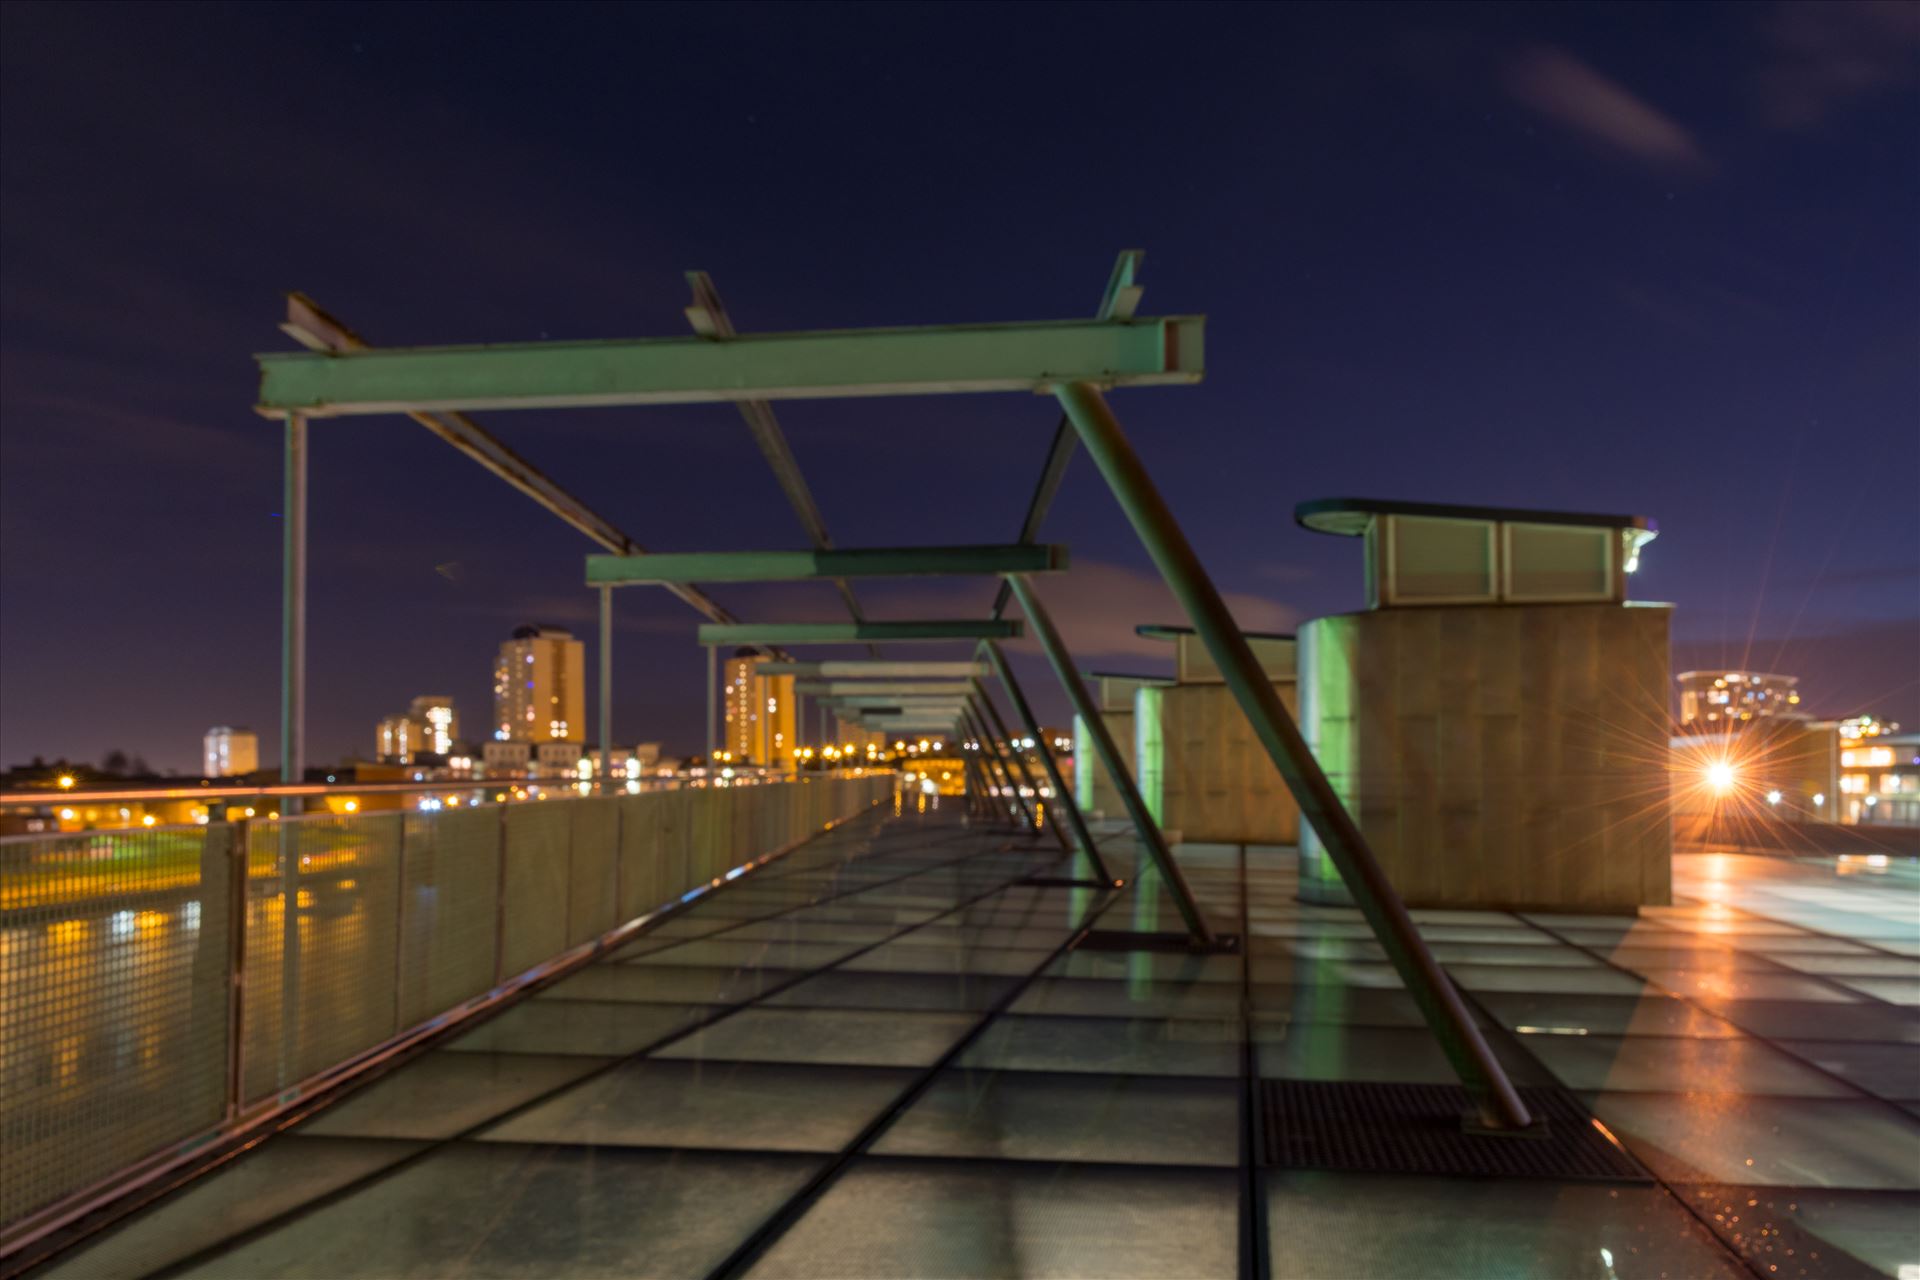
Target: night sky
1624, 258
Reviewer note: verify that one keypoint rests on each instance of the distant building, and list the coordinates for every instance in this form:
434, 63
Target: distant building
506, 759
540, 687
1879, 781
229, 752
1724, 698
1857, 772
435, 711
761, 725
430, 726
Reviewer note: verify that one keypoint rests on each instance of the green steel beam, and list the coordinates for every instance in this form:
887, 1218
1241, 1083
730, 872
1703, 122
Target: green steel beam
767, 633
1035, 356
900, 688
791, 566
864, 668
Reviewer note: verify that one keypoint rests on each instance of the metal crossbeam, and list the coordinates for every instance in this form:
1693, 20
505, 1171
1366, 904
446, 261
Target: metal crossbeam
862, 668
313, 327
784, 633
709, 318
905, 688
932, 360
919, 700
795, 566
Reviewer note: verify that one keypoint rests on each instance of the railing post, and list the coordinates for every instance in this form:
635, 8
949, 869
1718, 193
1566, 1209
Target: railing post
1143, 824
713, 691
399, 915
293, 722
606, 689
237, 864
500, 901
1446, 1014
1062, 795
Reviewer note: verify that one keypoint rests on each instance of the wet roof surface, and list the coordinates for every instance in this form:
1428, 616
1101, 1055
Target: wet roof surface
878, 1057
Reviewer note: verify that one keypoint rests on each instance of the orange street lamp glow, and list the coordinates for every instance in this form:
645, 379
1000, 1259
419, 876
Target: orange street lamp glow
66, 782
1720, 776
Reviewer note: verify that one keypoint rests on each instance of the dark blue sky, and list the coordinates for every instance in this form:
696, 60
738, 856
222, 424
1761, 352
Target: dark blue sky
1638, 258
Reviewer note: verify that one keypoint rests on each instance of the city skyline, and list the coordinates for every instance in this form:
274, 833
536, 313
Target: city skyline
1604, 295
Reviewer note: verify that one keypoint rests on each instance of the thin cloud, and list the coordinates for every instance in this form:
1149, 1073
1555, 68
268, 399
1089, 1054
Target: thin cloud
1823, 56
1575, 96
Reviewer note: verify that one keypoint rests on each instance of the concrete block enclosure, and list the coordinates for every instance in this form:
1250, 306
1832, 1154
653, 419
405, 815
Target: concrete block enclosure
1496, 719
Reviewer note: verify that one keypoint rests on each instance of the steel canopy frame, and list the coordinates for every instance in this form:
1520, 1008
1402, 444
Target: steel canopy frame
709, 318
1072, 360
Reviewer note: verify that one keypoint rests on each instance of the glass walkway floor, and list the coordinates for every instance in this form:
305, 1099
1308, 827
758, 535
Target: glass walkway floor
880, 1057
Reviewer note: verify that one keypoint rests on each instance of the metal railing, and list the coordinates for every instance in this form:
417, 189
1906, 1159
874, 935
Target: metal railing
158, 985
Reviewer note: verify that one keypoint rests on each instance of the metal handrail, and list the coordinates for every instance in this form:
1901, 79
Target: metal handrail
559, 783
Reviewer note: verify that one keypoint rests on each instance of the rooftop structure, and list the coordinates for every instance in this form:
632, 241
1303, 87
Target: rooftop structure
829, 1025
1497, 714
1727, 698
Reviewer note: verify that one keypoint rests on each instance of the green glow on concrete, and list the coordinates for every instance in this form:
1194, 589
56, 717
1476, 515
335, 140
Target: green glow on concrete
1149, 751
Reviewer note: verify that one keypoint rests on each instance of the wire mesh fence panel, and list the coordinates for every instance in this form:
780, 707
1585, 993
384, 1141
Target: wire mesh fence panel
712, 833
323, 898
450, 904
592, 855
534, 914
114, 956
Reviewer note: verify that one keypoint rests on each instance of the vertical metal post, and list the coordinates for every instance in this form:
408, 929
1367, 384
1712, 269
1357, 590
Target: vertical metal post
1019, 762
293, 603
1143, 824
1500, 1105
606, 690
1062, 795
713, 690
293, 725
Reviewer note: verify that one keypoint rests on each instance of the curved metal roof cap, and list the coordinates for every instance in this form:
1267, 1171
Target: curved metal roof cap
1348, 516
1156, 631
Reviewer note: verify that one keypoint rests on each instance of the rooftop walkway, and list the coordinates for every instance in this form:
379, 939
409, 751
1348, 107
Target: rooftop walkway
886, 1056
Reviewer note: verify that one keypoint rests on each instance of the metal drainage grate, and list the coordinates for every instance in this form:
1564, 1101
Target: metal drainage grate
1417, 1129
